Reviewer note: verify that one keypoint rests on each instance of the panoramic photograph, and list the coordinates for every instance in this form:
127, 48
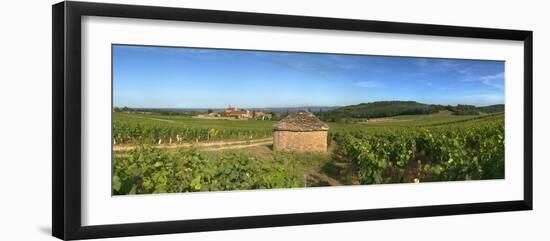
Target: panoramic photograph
201, 119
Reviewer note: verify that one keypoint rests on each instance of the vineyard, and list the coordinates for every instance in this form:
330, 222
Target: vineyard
148, 170
437, 147
466, 151
136, 129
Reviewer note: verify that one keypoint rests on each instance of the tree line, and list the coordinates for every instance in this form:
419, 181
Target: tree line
382, 109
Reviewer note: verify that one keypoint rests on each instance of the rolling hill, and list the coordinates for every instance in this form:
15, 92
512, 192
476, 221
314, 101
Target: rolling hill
396, 108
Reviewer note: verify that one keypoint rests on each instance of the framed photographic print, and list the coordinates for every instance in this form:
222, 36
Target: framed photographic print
170, 120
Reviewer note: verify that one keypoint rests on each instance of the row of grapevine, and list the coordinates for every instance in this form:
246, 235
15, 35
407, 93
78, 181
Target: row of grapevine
136, 133
148, 170
446, 153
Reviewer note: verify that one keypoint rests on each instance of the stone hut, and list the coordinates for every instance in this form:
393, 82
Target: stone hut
300, 131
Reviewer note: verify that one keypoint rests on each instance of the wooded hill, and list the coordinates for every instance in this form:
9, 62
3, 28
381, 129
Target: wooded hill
394, 108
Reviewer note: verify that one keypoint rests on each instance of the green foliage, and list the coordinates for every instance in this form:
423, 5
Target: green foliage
452, 152
152, 129
378, 109
123, 109
491, 109
464, 110
149, 170
438, 147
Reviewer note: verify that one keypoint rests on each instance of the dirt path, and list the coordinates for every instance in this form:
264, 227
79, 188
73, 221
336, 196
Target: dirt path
241, 146
209, 146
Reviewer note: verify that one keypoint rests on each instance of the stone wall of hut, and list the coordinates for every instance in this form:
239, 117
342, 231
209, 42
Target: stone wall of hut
308, 141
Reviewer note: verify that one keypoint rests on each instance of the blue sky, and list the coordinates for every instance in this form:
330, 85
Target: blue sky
162, 77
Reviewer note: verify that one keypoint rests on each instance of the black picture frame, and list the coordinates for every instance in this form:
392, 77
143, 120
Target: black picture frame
66, 127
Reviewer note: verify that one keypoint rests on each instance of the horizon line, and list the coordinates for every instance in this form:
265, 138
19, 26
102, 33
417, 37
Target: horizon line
300, 106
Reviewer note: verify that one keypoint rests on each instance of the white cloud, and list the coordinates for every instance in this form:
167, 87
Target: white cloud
441, 66
495, 80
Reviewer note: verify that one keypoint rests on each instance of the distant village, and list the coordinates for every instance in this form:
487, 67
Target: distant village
234, 113
229, 113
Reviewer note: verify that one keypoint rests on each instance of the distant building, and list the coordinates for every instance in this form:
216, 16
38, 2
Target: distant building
260, 115
300, 131
213, 114
236, 113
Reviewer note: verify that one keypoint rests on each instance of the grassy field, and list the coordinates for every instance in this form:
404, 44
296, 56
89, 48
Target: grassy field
185, 154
